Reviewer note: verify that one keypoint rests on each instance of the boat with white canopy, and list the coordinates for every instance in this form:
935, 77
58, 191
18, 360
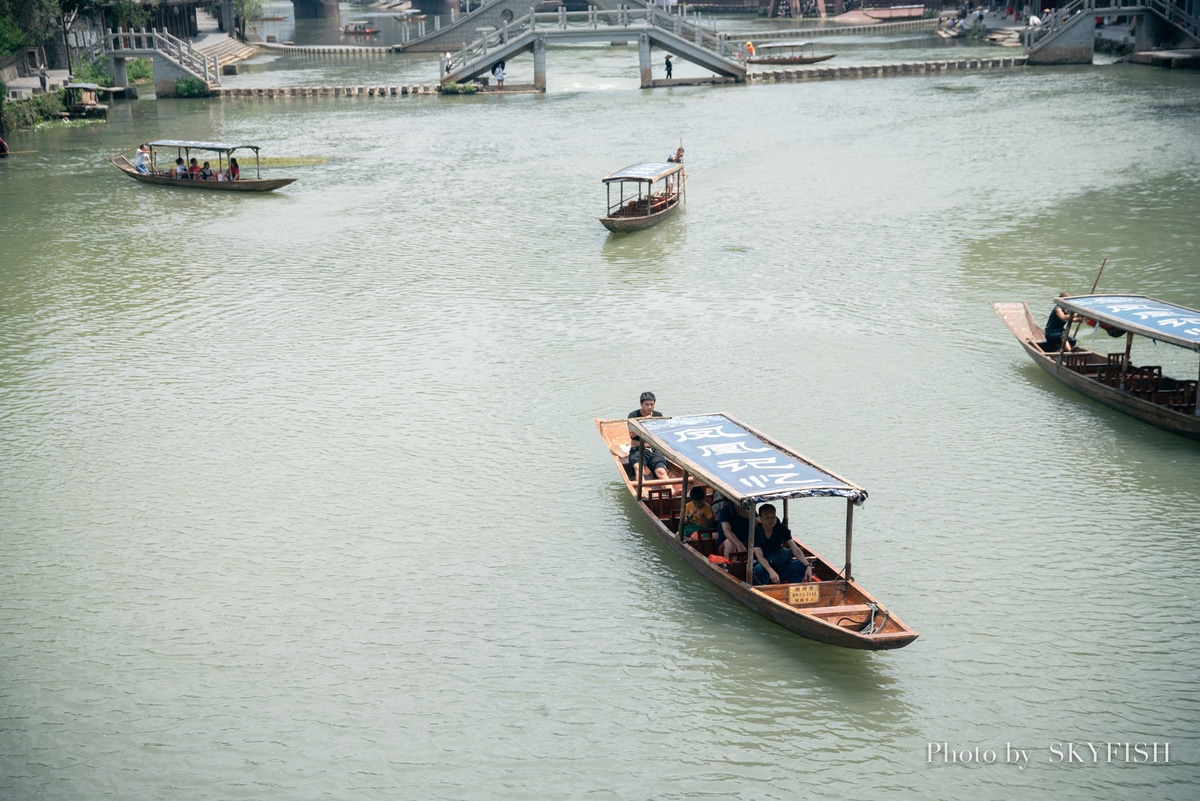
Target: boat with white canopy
1112, 378
224, 177
725, 456
788, 54
646, 194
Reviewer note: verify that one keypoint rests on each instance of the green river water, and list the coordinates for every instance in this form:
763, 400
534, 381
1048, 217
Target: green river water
301, 497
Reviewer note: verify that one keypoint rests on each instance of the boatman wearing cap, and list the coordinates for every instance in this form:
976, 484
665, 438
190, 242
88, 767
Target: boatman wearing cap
654, 460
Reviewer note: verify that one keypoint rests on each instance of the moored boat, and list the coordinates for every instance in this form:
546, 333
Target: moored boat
81, 101
895, 13
725, 456
794, 53
1141, 391
359, 28
646, 195
224, 178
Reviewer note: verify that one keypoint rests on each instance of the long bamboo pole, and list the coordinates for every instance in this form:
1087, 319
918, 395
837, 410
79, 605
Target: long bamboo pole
1095, 284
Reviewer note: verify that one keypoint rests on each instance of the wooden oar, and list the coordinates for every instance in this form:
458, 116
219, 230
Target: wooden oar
20, 152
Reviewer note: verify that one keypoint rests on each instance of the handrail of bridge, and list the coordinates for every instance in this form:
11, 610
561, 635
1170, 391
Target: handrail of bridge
1060, 17
561, 19
201, 65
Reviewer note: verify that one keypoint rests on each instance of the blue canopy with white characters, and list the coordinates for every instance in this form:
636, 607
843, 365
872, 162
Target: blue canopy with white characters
1138, 314
739, 462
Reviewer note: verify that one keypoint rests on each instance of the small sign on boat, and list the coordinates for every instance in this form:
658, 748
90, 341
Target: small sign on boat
803, 594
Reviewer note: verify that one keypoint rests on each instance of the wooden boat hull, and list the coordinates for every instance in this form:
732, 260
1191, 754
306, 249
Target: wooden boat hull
839, 601
789, 60
367, 32
895, 13
242, 185
621, 223
1019, 320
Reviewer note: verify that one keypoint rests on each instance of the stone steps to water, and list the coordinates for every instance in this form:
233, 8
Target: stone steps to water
762, 76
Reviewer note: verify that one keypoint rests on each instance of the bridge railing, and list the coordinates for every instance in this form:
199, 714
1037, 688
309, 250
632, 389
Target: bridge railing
179, 51
594, 18
1057, 19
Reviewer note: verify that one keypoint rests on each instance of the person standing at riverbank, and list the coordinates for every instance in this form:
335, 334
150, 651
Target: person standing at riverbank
42, 75
668, 63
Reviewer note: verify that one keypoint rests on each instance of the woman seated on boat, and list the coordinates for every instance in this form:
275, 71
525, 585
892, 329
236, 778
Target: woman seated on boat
194, 170
181, 170
697, 515
1056, 328
206, 172
779, 559
234, 172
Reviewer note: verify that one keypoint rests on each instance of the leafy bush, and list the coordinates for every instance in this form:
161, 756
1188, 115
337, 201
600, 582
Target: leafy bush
93, 72
191, 87
28, 113
139, 70
458, 89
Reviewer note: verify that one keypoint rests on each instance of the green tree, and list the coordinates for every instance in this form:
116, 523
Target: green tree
244, 10
25, 23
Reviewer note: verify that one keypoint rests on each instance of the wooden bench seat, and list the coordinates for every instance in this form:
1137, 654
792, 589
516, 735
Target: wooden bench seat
848, 609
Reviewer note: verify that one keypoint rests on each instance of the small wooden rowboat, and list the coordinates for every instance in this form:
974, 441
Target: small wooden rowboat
1112, 378
220, 180
793, 54
646, 195
702, 450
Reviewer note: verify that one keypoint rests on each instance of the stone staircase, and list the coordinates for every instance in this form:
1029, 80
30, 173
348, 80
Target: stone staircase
225, 49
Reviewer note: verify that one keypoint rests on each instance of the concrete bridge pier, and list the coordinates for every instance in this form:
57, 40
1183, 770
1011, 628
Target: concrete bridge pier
644, 61
539, 64
315, 9
118, 71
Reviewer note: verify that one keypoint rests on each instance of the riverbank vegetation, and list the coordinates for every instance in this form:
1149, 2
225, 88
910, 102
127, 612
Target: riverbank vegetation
31, 111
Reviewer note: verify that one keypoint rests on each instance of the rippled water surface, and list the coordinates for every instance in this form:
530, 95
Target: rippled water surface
301, 496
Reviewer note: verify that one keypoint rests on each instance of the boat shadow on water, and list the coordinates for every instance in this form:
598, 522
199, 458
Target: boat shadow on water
649, 251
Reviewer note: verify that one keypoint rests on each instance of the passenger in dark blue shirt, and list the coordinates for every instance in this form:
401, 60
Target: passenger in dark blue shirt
779, 559
733, 527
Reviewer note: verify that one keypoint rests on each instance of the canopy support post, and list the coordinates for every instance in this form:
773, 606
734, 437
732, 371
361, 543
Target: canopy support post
641, 471
1128, 350
849, 535
750, 546
683, 501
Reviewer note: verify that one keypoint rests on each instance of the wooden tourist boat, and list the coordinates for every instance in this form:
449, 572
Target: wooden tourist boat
833, 609
81, 101
410, 15
1111, 378
788, 54
647, 195
183, 149
895, 13
358, 28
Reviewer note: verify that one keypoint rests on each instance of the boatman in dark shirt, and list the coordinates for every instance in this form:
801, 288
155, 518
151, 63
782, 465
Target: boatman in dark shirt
654, 460
1056, 328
